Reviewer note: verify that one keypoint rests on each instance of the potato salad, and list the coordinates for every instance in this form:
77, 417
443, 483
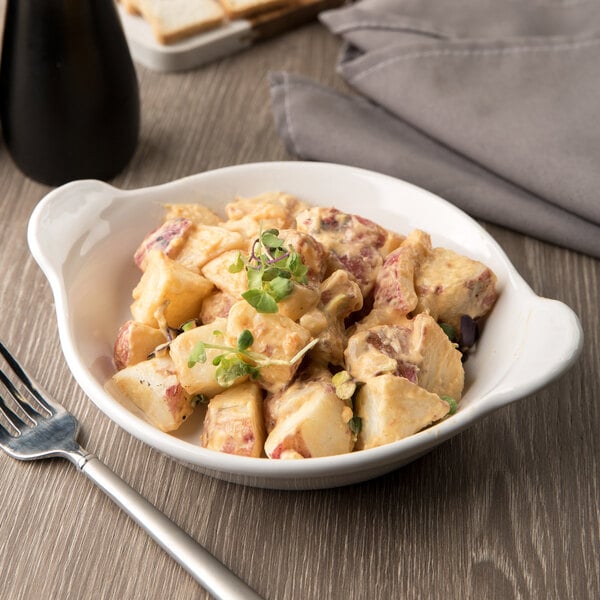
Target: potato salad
298, 331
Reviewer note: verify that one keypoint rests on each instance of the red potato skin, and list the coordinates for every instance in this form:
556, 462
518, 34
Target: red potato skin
402, 335
449, 285
362, 241
388, 289
129, 348
365, 258
122, 347
296, 443
245, 449
312, 252
169, 238
216, 306
362, 265
175, 396
485, 283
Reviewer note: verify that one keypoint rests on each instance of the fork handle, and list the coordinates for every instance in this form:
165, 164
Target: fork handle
215, 577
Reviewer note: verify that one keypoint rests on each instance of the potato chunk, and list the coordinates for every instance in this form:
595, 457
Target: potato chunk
417, 278
302, 299
355, 243
196, 213
331, 336
275, 336
270, 210
153, 387
440, 367
282, 404
312, 252
382, 349
217, 271
135, 341
217, 304
450, 285
381, 316
206, 242
392, 408
419, 351
169, 238
395, 284
339, 296
169, 287
234, 421
201, 378
309, 421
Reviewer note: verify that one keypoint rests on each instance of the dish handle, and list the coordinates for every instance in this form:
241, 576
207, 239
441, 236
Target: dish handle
551, 341
65, 213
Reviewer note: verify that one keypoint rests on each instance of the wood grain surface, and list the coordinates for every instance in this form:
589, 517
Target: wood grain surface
507, 509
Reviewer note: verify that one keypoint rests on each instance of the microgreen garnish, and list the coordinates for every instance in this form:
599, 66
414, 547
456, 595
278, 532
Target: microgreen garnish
189, 325
261, 300
197, 355
239, 361
231, 367
245, 340
238, 265
272, 270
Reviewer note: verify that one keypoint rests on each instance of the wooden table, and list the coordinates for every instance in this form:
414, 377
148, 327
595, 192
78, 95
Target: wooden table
507, 509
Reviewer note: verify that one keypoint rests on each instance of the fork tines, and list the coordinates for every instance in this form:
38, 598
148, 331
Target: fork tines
24, 409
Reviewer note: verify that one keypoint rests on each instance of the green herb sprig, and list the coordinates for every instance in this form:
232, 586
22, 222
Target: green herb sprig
272, 270
239, 361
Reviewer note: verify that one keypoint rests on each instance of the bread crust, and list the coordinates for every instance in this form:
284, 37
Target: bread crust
238, 9
170, 23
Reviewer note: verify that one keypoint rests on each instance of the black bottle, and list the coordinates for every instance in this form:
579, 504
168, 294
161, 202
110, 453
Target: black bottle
69, 97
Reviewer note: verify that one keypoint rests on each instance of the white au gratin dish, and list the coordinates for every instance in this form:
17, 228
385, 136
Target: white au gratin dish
83, 236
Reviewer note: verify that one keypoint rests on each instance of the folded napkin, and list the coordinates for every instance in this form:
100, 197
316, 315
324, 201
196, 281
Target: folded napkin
491, 104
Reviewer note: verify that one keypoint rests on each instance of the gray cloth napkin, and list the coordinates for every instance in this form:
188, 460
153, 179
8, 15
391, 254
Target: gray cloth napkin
492, 104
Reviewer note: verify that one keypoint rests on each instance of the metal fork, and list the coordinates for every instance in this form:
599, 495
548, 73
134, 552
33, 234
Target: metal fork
37, 426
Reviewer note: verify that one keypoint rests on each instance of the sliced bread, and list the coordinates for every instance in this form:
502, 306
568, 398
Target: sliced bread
131, 6
173, 20
237, 9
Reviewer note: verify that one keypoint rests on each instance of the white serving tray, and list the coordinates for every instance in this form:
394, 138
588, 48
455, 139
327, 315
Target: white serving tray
205, 47
187, 54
